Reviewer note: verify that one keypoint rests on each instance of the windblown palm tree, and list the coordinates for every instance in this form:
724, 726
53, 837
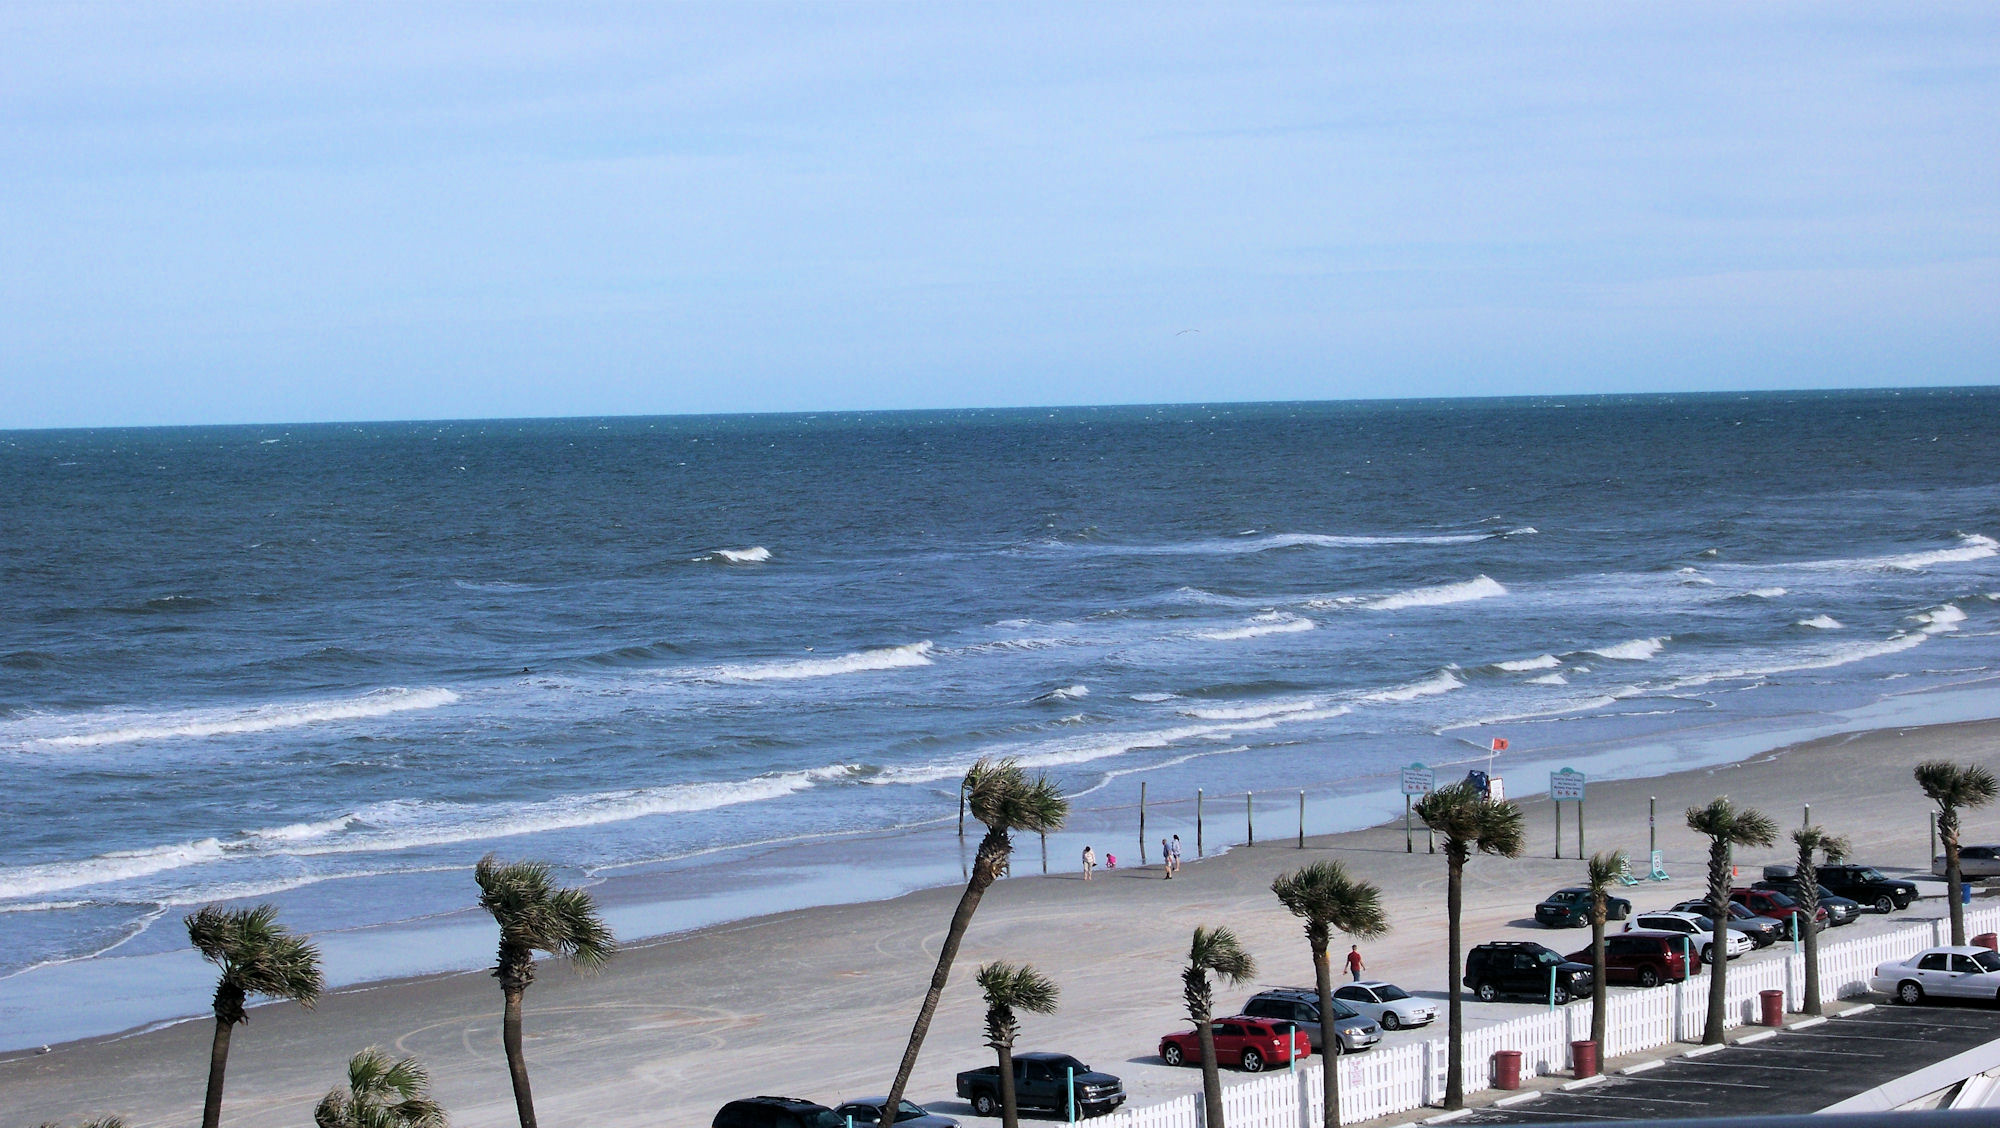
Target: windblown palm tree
1954, 788
1812, 840
1009, 988
1002, 796
1328, 900
535, 915
1603, 872
1726, 827
381, 1093
1217, 952
1469, 821
258, 956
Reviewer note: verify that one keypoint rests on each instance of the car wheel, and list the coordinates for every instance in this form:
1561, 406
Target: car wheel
1390, 1021
1648, 977
1173, 1055
1885, 904
984, 1104
1909, 992
1486, 992
1253, 1062
1560, 995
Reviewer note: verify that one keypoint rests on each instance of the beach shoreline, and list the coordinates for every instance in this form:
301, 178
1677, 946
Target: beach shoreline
640, 1039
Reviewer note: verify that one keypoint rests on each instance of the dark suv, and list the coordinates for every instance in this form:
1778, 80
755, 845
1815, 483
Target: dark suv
1570, 908
1517, 967
1865, 884
776, 1112
1839, 909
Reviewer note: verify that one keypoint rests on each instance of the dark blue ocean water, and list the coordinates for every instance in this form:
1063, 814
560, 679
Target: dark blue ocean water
335, 664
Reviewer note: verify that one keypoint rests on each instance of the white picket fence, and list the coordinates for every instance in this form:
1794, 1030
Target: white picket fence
1412, 1075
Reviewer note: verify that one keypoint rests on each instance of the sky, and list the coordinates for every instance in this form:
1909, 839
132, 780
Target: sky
276, 212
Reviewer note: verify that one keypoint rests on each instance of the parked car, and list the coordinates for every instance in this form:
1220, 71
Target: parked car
1388, 1005
1300, 1005
1247, 1043
1869, 886
1763, 931
1839, 910
1964, 973
1042, 1081
1776, 905
1973, 862
1699, 930
776, 1112
1570, 908
1519, 967
909, 1114
1643, 958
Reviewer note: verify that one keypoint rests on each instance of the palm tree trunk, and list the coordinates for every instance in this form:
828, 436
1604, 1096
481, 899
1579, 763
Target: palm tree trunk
1454, 902
1211, 1077
218, 1060
1718, 945
1953, 875
1811, 937
517, 1060
993, 850
1329, 1039
1598, 990
1010, 1114
1802, 927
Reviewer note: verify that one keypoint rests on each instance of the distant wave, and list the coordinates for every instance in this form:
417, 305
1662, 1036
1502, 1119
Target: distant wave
1765, 593
1479, 587
755, 554
1251, 712
1637, 650
1971, 546
262, 718
1154, 698
1232, 546
1066, 693
1273, 623
1825, 660
1444, 681
1549, 679
1692, 576
503, 587
1520, 665
118, 865
1820, 623
861, 661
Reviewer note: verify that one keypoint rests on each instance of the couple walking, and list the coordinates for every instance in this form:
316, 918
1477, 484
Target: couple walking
1170, 856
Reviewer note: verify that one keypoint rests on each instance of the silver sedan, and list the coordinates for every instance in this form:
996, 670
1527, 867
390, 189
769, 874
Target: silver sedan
1946, 973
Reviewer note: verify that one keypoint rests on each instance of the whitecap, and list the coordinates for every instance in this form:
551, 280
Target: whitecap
1444, 681
1066, 693
1942, 620
1520, 665
1971, 546
1154, 698
1637, 650
861, 661
1549, 679
1479, 587
126, 728
1765, 592
1250, 712
755, 554
1259, 626
118, 865
1821, 623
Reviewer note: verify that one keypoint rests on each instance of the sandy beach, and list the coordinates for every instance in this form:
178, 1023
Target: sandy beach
817, 1003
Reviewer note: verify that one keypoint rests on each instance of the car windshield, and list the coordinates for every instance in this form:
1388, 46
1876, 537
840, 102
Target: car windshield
1782, 901
1987, 961
1871, 875
1547, 957
908, 1111
1390, 992
826, 1118
1342, 1010
1065, 1063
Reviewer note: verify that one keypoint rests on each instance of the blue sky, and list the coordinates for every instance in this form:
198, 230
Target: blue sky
266, 212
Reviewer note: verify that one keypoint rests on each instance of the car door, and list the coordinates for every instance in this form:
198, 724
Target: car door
1039, 1085
1933, 972
1965, 982
1361, 999
1229, 1043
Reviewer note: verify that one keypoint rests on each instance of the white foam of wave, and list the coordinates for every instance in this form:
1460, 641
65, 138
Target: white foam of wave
1522, 665
1766, 592
1693, 576
860, 661
1154, 698
1971, 546
1479, 587
1821, 623
1251, 712
1066, 693
755, 554
262, 718
1259, 626
1941, 620
1549, 679
43, 907
1248, 544
1637, 650
1444, 681
43, 878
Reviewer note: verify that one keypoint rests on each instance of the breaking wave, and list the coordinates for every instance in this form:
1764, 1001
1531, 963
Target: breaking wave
1269, 624
861, 661
1637, 650
1444, 681
1821, 623
1479, 587
1521, 665
755, 554
127, 729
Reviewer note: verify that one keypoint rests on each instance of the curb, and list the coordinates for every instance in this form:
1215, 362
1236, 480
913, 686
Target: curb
1642, 1067
1760, 1036
1864, 1008
1808, 1023
1517, 1098
1446, 1118
1704, 1051
1583, 1082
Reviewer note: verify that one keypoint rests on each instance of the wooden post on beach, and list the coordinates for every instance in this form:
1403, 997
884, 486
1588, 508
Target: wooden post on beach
1559, 826
1302, 819
1579, 828
1652, 825
1249, 820
1409, 843
1197, 822
1142, 822
1045, 853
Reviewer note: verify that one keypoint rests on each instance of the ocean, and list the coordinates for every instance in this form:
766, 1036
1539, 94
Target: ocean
719, 666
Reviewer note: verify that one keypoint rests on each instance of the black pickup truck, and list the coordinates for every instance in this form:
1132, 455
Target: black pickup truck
1042, 1081
1865, 884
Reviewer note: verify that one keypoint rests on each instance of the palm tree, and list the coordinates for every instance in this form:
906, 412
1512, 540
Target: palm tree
1604, 870
1811, 840
1469, 821
1000, 794
1953, 787
381, 1093
535, 915
1327, 899
1009, 988
1214, 951
1726, 828
258, 956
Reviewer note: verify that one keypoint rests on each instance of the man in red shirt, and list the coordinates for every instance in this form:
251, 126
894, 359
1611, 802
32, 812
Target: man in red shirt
1354, 964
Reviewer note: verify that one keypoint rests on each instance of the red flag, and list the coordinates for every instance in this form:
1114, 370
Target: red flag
1499, 744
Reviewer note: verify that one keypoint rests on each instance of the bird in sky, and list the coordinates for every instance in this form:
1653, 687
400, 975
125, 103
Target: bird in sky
1185, 332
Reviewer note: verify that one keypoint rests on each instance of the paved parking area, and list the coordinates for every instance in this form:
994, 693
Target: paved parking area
1797, 1072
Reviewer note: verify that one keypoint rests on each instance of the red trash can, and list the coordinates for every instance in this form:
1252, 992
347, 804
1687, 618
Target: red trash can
1774, 1007
1988, 941
1583, 1059
1506, 1069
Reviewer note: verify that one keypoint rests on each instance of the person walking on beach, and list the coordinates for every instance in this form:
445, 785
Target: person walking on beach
1174, 852
1089, 862
1166, 859
1354, 964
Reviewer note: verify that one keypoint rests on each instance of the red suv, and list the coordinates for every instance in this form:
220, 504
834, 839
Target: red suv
1248, 1043
1777, 906
1644, 957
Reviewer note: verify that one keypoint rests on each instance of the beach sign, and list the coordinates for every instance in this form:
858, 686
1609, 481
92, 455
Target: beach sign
1417, 780
1566, 786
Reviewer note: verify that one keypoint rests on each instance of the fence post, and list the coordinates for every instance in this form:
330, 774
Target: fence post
1305, 1104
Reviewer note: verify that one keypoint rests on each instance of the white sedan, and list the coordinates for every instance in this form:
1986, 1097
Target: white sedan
1389, 1005
1699, 930
1954, 973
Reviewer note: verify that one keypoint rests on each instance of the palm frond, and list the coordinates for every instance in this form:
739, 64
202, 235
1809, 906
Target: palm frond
381, 1093
1723, 821
1003, 797
1017, 987
1464, 816
257, 955
1327, 898
1957, 786
1217, 950
1604, 870
536, 914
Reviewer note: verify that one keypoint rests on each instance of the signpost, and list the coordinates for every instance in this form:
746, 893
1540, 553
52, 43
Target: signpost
1566, 786
1417, 780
